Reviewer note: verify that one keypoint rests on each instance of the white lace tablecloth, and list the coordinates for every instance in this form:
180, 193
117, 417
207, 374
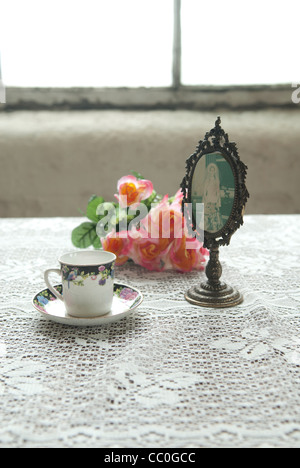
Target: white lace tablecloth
171, 374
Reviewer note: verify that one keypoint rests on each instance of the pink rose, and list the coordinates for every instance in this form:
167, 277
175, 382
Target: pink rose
148, 252
132, 191
164, 220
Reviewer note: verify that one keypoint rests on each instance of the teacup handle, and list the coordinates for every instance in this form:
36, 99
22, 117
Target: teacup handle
52, 289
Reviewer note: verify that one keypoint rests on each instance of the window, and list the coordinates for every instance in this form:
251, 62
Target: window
230, 42
97, 43
149, 46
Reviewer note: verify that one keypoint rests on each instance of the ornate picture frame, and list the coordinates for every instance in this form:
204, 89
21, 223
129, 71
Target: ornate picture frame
216, 142
215, 179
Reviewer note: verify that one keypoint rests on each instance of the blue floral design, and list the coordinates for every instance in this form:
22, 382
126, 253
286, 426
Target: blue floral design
42, 300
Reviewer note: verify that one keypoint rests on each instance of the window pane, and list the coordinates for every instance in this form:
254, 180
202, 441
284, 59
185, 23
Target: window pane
87, 42
240, 42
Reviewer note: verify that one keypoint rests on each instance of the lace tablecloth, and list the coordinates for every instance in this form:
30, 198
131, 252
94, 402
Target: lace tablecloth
169, 375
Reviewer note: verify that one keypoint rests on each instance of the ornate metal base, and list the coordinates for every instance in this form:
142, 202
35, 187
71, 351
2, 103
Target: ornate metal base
214, 293
217, 296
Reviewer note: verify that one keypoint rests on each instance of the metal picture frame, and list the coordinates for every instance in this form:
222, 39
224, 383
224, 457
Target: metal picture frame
217, 148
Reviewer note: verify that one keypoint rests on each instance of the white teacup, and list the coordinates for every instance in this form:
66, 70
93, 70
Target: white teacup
88, 282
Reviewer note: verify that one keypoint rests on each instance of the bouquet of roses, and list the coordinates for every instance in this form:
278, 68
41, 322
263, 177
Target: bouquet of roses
141, 226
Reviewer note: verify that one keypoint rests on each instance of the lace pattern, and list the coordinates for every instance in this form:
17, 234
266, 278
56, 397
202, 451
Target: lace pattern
169, 375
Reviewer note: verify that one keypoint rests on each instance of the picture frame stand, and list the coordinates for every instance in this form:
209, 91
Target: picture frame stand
214, 293
215, 178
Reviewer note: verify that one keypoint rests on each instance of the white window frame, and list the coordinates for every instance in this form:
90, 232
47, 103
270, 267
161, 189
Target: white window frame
177, 96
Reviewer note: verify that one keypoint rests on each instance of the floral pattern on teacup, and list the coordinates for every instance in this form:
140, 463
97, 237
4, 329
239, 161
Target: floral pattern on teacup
77, 276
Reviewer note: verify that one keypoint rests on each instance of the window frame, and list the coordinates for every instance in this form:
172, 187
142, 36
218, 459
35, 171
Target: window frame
177, 96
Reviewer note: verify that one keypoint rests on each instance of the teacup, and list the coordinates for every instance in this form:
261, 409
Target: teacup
88, 282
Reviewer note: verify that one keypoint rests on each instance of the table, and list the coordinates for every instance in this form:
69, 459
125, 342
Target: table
170, 375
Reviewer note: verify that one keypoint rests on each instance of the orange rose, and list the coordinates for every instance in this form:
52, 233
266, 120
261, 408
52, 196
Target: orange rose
184, 259
119, 244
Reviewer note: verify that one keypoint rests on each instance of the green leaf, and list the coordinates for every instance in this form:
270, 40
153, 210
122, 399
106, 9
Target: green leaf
91, 210
92, 198
137, 175
97, 243
84, 235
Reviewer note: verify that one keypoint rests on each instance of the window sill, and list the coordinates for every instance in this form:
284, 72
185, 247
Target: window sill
185, 97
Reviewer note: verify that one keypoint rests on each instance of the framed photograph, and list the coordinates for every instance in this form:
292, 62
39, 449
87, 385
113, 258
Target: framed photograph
213, 185
214, 189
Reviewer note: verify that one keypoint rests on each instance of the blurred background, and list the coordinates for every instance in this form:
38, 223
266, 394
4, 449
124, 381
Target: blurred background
97, 89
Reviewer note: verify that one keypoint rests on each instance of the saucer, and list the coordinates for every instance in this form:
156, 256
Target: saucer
125, 300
